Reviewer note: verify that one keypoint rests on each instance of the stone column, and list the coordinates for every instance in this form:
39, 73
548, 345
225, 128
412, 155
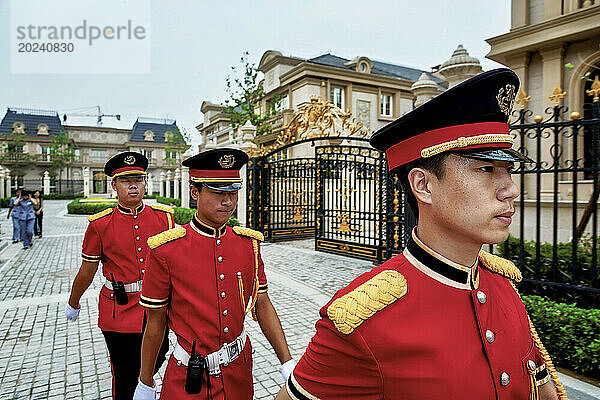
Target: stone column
169, 179
46, 182
176, 183
161, 190
8, 184
552, 73
185, 187
519, 13
248, 133
109, 190
86, 182
2, 182
149, 184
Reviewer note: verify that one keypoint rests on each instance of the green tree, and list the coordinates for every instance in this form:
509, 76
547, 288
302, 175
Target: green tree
13, 154
246, 93
62, 155
177, 144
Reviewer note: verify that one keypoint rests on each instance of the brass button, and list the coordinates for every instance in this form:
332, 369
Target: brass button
531, 365
139, 249
137, 238
222, 276
225, 330
224, 312
239, 274
143, 271
489, 336
141, 260
218, 242
504, 379
136, 227
223, 294
220, 259
135, 217
179, 363
481, 297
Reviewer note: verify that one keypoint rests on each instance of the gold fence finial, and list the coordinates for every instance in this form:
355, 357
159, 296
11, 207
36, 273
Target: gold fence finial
557, 95
523, 99
595, 90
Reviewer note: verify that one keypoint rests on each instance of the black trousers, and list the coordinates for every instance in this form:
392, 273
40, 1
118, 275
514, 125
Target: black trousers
125, 350
37, 226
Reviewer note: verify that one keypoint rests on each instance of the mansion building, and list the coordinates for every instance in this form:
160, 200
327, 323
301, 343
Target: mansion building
33, 132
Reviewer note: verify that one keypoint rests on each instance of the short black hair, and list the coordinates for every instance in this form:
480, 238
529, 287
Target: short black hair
436, 165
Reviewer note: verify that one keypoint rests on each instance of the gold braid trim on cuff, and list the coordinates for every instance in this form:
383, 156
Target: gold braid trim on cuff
463, 142
560, 389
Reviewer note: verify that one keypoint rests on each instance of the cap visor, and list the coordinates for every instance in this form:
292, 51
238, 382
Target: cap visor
224, 187
510, 155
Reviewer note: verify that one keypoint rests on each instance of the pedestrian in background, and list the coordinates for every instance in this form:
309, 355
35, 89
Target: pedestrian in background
15, 220
38, 209
23, 207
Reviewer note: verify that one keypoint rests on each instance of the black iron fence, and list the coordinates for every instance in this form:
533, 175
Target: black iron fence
557, 244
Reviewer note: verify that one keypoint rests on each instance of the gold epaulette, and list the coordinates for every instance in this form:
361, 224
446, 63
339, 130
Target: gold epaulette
100, 214
352, 309
248, 232
500, 266
166, 236
162, 208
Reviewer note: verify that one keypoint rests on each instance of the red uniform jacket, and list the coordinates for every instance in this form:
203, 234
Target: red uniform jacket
421, 327
117, 238
205, 278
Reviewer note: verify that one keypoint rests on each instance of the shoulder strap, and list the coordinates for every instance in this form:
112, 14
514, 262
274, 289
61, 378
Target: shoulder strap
166, 236
239, 230
357, 306
100, 214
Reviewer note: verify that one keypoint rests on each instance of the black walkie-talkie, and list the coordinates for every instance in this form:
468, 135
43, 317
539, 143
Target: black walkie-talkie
195, 372
119, 291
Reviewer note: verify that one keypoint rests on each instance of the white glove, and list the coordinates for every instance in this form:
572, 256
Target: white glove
286, 369
144, 392
71, 313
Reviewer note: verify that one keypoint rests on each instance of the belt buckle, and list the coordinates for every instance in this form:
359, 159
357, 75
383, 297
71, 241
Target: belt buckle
233, 350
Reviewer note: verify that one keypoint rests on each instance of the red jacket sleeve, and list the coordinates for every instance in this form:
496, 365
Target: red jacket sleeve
336, 366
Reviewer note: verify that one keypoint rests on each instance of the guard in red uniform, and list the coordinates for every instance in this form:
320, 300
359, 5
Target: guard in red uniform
443, 319
202, 279
117, 238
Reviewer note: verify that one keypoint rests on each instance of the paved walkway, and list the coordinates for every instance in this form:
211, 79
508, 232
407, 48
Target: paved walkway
44, 357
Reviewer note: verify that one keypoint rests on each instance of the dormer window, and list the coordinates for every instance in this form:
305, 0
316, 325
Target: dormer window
42, 129
18, 127
363, 67
149, 136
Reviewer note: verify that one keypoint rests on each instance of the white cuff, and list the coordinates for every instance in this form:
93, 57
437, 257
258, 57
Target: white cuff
286, 369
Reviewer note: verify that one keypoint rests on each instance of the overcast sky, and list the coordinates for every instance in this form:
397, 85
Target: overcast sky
195, 43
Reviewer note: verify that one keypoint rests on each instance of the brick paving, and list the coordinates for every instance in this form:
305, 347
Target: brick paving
44, 357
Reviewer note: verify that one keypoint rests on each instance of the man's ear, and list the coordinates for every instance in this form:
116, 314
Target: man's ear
419, 180
194, 192
113, 185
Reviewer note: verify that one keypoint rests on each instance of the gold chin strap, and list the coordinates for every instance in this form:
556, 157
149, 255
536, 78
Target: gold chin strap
254, 283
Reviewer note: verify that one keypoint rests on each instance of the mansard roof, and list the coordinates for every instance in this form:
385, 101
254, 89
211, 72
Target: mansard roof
379, 68
31, 119
159, 129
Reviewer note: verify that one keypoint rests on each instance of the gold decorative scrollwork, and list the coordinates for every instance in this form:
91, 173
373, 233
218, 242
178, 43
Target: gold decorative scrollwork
318, 118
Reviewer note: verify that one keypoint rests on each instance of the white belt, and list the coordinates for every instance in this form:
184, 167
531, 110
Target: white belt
224, 356
129, 287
